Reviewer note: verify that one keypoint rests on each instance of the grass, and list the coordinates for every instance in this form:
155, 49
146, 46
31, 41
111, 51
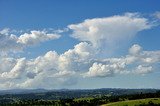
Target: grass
85, 98
134, 102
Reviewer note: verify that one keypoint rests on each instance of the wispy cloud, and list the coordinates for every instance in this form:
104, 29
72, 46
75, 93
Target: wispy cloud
157, 14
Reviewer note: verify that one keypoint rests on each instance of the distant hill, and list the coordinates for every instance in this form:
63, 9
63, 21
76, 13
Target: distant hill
72, 93
22, 91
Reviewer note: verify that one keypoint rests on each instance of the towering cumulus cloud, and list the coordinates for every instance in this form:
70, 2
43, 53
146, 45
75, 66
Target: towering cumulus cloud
110, 30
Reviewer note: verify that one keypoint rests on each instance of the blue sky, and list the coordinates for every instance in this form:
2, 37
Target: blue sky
79, 44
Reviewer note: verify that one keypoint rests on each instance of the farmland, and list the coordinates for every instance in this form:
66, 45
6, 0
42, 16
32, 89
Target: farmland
139, 102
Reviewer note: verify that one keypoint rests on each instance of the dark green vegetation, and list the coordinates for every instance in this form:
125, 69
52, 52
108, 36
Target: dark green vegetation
77, 97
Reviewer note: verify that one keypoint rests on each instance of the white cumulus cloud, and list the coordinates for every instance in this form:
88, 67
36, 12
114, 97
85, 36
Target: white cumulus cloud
97, 37
13, 43
137, 62
16, 71
109, 31
36, 37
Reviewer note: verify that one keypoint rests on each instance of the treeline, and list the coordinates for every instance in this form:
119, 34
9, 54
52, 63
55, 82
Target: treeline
84, 102
69, 94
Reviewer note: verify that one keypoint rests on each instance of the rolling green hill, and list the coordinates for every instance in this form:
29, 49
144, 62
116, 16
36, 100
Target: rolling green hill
109, 97
139, 102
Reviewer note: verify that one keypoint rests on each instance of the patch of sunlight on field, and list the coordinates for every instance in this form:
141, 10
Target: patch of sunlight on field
85, 98
134, 102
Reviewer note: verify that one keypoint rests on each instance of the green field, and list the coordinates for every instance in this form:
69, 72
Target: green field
84, 98
135, 102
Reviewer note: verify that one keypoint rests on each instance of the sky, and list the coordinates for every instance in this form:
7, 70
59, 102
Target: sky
79, 44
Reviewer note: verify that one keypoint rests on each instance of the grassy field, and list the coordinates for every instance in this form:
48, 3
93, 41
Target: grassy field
134, 102
85, 98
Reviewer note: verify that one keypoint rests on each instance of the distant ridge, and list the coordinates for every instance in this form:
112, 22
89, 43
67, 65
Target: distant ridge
41, 90
22, 91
